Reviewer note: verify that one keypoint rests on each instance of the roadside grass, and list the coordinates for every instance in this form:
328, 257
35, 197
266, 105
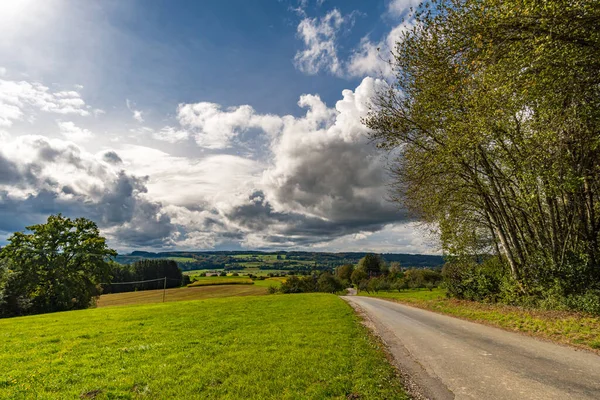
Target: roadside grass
307, 346
220, 280
570, 328
178, 294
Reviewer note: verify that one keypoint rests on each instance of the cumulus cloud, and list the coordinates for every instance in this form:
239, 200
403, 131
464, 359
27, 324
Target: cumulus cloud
373, 58
216, 128
40, 176
319, 36
321, 183
20, 97
74, 133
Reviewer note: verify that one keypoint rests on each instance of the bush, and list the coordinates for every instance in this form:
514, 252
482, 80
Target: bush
223, 273
329, 283
235, 274
272, 289
469, 280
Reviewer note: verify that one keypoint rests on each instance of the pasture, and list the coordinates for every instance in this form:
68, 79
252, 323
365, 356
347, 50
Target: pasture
179, 294
264, 347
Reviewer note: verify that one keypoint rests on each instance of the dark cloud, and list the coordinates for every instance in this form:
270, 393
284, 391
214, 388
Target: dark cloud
117, 204
112, 157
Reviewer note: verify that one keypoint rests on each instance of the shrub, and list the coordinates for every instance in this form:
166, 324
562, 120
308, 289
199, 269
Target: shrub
469, 280
272, 289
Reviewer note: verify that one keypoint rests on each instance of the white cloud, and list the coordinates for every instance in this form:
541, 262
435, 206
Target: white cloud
319, 36
215, 128
3, 71
74, 133
137, 114
171, 135
18, 97
399, 7
372, 58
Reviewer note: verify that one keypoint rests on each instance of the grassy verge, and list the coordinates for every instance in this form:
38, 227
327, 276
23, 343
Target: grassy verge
266, 347
179, 294
562, 327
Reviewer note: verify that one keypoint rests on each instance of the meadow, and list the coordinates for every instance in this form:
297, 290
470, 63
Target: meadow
265, 347
575, 329
179, 294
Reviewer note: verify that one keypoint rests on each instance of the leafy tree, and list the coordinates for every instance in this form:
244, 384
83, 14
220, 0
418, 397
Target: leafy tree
56, 267
329, 283
358, 275
344, 272
495, 115
371, 264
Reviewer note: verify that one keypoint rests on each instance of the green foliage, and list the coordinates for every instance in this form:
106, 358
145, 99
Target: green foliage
266, 347
344, 272
495, 115
371, 264
56, 267
328, 283
358, 275
145, 270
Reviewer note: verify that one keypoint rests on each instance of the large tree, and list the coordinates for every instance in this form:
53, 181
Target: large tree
57, 266
495, 114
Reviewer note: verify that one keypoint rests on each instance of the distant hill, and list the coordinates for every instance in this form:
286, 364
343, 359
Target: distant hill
278, 260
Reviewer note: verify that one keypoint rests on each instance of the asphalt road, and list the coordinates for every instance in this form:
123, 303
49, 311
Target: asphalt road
451, 358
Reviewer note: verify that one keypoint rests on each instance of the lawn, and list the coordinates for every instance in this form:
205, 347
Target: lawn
179, 294
307, 346
570, 328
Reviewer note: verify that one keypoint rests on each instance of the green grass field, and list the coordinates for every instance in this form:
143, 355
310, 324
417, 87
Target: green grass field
308, 346
182, 259
180, 294
563, 327
220, 280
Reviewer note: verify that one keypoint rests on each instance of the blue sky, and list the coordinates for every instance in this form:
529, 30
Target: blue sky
200, 124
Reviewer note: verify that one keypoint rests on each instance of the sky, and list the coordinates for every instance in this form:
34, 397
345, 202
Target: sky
201, 125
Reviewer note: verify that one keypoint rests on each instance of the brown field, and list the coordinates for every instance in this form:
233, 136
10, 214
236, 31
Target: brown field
179, 294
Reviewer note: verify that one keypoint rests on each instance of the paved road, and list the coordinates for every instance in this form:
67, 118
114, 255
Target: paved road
453, 358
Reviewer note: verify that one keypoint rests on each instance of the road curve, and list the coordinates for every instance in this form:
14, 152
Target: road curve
452, 358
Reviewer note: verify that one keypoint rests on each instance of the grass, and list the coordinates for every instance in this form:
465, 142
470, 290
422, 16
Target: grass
179, 294
570, 328
220, 280
308, 346
182, 259
269, 282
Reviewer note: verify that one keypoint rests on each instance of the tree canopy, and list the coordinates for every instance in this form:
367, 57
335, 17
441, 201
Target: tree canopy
58, 266
495, 117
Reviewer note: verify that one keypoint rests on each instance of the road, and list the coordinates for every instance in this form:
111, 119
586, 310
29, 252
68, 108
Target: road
451, 358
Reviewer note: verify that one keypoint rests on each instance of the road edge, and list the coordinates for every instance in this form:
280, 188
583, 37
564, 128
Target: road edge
419, 384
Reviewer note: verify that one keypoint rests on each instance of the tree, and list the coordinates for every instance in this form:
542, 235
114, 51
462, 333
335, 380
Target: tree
344, 272
56, 267
358, 275
329, 283
495, 115
371, 264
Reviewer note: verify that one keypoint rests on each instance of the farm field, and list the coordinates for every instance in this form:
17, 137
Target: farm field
564, 327
264, 347
220, 280
179, 294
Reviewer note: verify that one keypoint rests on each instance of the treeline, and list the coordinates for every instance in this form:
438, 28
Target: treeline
143, 270
495, 117
372, 274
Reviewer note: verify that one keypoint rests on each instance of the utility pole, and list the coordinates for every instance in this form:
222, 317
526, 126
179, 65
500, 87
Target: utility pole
164, 289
